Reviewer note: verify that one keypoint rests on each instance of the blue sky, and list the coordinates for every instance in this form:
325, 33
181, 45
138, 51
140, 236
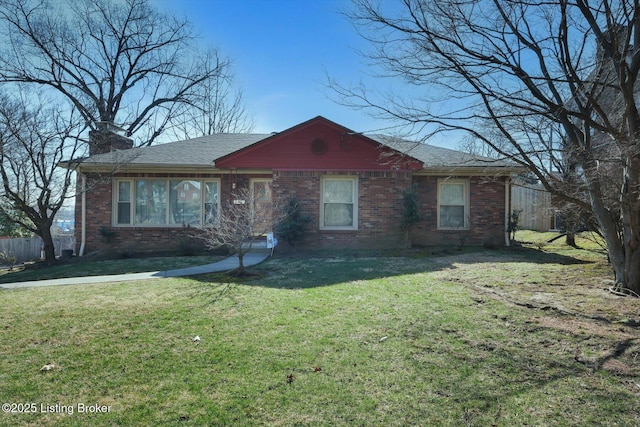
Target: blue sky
282, 51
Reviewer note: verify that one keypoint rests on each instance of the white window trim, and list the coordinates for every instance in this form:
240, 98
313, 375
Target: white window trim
116, 202
253, 181
203, 185
132, 207
354, 183
467, 203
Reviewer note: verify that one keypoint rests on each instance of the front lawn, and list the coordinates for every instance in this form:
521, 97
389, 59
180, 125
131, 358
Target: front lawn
514, 337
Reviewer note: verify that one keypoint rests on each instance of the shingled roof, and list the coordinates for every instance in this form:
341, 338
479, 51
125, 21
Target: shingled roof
204, 151
190, 153
432, 156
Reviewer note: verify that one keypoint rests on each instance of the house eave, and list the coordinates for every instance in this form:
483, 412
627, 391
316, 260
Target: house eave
165, 169
470, 171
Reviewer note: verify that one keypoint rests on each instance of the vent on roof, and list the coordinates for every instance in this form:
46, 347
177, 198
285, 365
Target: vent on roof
319, 146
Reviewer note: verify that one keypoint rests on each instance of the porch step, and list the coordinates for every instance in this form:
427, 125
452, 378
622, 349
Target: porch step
258, 244
266, 242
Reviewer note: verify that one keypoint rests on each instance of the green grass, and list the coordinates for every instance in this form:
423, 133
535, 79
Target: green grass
408, 339
587, 241
78, 267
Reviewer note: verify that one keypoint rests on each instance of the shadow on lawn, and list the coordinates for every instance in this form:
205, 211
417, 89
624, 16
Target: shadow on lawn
316, 269
535, 365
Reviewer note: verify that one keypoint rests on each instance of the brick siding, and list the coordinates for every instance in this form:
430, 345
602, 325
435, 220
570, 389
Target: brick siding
380, 195
379, 207
486, 213
127, 239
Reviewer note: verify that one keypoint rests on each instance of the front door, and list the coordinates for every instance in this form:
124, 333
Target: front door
262, 200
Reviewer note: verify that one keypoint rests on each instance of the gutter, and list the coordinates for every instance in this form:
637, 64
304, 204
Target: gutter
468, 171
507, 210
83, 230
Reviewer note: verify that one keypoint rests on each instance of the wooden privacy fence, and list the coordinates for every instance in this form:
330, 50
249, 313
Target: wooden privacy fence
30, 248
534, 202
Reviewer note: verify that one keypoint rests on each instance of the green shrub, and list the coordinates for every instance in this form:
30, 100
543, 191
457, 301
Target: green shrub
294, 226
106, 234
9, 258
411, 209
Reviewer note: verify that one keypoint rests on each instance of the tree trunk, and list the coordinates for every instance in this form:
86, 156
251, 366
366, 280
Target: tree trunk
630, 224
632, 270
626, 268
615, 253
571, 239
49, 249
620, 226
240, 269
610, 233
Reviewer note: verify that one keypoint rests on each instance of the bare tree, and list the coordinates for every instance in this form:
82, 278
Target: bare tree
101, 63
120, 61
32, 143
220, 107
531, 69
245, 218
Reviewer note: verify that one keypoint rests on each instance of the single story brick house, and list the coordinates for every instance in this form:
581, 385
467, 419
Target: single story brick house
350, 184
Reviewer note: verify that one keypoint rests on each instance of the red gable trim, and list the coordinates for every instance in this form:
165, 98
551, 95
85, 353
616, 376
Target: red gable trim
318, 144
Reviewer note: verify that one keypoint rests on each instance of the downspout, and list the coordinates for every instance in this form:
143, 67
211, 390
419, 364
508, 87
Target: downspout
83, 215
507, 210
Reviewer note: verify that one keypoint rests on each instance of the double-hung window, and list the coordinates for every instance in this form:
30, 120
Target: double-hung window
211, 202
166, 202
339, 203
123, 202
453, 204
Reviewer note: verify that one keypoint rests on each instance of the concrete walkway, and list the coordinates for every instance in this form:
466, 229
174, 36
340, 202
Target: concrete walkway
251, 258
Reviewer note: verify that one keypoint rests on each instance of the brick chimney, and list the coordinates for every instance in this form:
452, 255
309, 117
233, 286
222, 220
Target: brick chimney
106, 138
